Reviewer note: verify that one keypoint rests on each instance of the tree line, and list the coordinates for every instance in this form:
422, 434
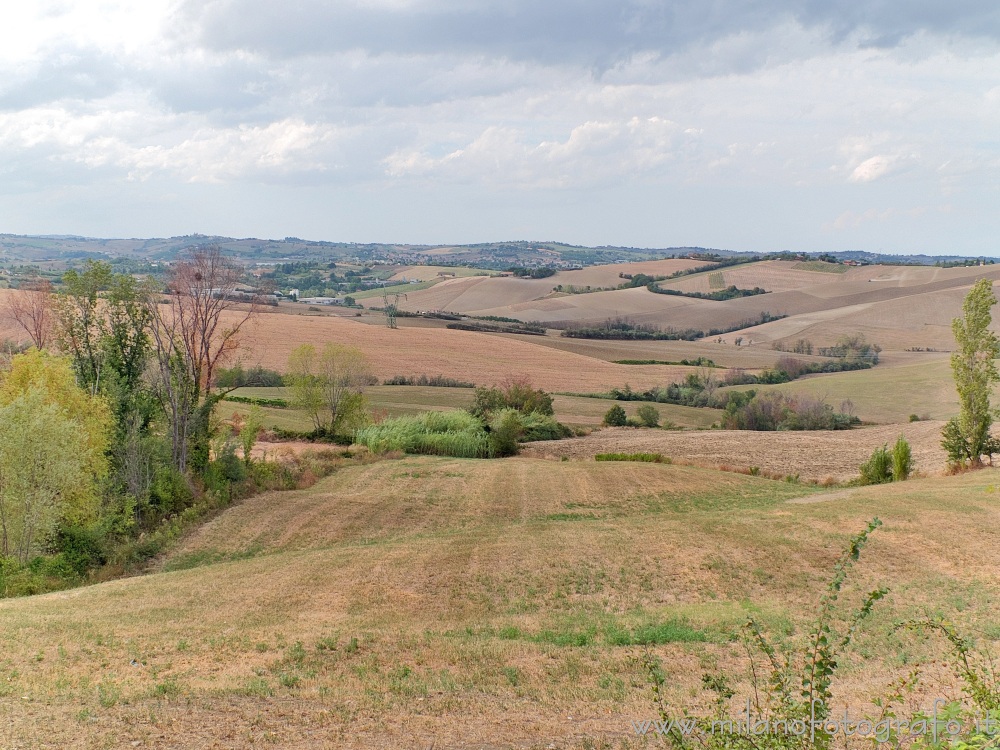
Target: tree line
106, 416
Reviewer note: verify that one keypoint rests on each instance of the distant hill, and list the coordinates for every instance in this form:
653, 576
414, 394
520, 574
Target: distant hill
69, 249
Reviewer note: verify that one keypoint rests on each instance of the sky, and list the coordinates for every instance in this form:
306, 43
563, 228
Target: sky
760, 125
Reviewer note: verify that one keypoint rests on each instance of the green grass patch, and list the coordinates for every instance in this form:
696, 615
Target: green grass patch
651, 458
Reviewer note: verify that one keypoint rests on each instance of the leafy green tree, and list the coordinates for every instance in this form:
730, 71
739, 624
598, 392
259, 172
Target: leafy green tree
329, 386
967, 437
51, 379
40, 467
81, 324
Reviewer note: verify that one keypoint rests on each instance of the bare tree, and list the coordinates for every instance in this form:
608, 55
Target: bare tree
31, 309
195, 329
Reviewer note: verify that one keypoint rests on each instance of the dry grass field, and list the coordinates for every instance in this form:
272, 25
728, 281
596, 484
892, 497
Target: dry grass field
831, 456
405, 603
474, 357
445, 603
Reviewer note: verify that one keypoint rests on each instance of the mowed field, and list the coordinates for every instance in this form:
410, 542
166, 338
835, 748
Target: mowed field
820, 456
473, 357
404, 400
900, 307
431, 602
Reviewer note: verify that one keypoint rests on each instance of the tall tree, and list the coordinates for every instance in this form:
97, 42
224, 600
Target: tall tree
967, 438
30, 308
81, 323
193, 333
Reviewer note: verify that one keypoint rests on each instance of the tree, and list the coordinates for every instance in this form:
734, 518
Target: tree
31, 309
615, 417
967, 437
40, 466
81, 325
193, 334
53, 442
330, 385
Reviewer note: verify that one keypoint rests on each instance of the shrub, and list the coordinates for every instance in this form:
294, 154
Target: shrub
648, 415
505, 430
615, 417
902, 460
514, 393
878, 468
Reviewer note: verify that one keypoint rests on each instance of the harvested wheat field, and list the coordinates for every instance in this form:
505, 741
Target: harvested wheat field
476, 357
430, 602
816, 456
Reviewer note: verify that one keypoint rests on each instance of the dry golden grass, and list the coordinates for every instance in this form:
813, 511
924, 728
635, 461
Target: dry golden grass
429, 601
479, 358
815, 456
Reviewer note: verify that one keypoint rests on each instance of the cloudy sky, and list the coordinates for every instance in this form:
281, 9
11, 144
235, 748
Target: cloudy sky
744, 124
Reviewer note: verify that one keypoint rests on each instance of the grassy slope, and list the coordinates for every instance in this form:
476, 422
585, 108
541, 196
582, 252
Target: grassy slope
404, 400
885, 393
494, 590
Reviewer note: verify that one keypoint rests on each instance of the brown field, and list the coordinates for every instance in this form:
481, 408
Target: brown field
773, 275
814, 456
480, 358
444, 603
406, 604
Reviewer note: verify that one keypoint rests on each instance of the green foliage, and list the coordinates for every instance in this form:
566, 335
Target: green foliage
730, 292
878, 468
248, 433
460, 434
966, 439
434, 380
902, 460
653, 458
514, 393
257, 377
452, 433
329, 386
776, 411
43, 473
615, 417
505, 431
648, 415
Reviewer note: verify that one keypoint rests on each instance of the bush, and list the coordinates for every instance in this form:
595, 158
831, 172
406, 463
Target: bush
514, 393
878, 468
902, 460
615, 417
505, 430
648, 415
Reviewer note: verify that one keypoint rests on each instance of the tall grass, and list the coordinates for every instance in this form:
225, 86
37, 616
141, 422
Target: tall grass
437, 433
459, 433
